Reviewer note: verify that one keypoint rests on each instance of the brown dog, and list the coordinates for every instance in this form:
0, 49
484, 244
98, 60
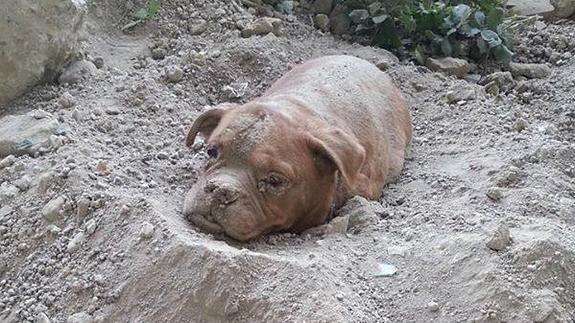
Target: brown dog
331, 128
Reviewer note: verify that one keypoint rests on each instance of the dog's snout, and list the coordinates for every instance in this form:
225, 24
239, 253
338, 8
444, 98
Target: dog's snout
222, 193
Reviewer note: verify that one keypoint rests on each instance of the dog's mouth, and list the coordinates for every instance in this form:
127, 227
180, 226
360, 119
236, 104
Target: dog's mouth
206, 225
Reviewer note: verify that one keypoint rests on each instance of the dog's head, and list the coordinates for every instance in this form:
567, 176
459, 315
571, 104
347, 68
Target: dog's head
267, 171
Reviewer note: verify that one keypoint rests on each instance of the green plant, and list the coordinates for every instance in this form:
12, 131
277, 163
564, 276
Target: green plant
470, 29
147, 12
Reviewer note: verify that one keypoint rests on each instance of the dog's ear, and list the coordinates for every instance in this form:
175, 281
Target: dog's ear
335, 148
207, 122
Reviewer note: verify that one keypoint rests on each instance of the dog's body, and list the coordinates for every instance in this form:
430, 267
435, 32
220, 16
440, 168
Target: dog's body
329, 129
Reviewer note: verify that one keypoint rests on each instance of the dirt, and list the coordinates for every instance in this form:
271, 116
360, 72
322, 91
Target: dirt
479, 228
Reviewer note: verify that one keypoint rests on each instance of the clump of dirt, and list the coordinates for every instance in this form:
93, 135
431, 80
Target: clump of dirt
91, 230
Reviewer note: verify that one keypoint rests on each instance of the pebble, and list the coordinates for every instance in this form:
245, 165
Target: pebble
66, 100
81, 317
198, 27
7, 161
91, 226
22, 183
494, 193
501, 238
385, 270
42, 318
263, 26
322, 22
162, 155
532, 71
174, 73
51, 211
76, 242
147, 230
449, 65
83, 207
433, 306
78, 71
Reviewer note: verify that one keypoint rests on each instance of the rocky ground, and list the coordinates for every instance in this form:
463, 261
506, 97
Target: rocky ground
481, 226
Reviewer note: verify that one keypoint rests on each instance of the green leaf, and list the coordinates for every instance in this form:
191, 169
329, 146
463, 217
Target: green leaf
379, 19
446, 47
491, 38
141, 14
461, 14
420, 55
494, 18
479, 18
502, 54
153, 7
374, 8
358, 15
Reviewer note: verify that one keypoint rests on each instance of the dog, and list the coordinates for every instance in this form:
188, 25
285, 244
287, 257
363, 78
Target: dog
331, 128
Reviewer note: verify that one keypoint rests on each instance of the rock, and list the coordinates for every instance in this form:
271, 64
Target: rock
26, 134
7, 161
385, 270
91, 226
7, 192
504, 80
174, 73
449, 65
263, 26
500, 239
494, 193
159, 53
337, 225
520, 125
466, 93
66, 100
147, 230
77, 72
102, 168
81, 317
529, 7
433, 306
321, 21
42, 318
37, 38
23, 183
323, 6
51, 211
198, 27
340, 22
76, 242
530, 70
83, 207
563, 8
98, 62
472, 78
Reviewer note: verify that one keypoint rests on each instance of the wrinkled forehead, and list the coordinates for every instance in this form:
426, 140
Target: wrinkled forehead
239, 133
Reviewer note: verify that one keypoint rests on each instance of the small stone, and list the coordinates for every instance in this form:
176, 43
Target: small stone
503, 79
124, 210
198, 27
532, 71
339, 297
52, 210
26, 134
263, 26
338, 225
23, 183
78, 71
385, 270
466, 93
66, 100
7, 161
322, 22
323, 6
500, 239
174, 73
494, 193
91, 226
520, 125
98, 62
159, 53
147, 230
42, 318
76, 242
449, 65
81, 317
433, 306
83, 207
112, 110
162, 155
102, 167
472, 78
7, 192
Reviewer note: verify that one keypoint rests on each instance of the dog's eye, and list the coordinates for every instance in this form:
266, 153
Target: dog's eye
212, 151
272, 184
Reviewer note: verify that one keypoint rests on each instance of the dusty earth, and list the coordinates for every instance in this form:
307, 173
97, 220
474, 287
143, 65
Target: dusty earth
480, 228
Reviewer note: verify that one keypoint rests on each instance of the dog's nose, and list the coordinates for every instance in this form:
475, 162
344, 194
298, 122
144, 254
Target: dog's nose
222, 193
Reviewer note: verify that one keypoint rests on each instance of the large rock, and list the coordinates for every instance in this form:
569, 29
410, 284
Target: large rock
563, 8
449, 65
532, 71
530, 7
27, 134
37, 37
